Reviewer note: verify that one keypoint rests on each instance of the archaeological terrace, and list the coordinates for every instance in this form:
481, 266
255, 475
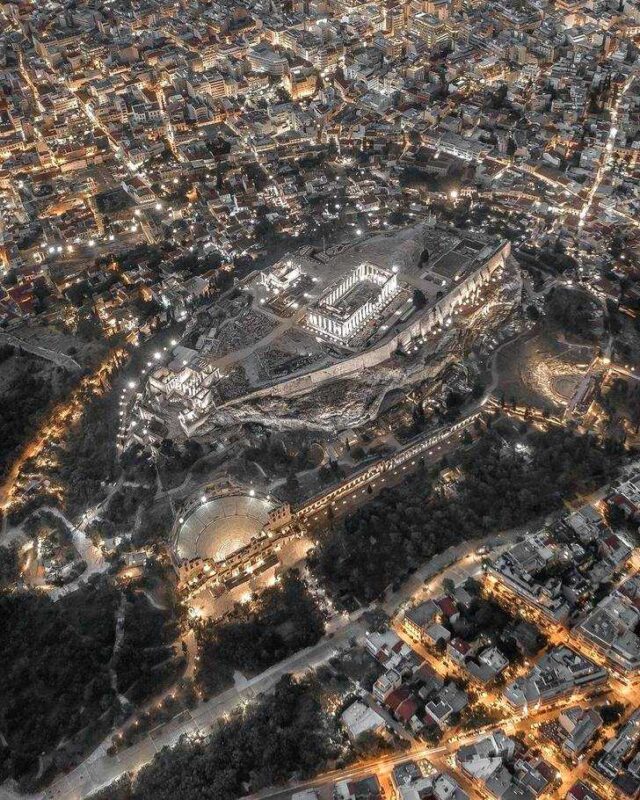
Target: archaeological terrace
317, 316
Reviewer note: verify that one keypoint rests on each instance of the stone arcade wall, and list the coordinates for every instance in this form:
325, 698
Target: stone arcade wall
285, 523
361, 478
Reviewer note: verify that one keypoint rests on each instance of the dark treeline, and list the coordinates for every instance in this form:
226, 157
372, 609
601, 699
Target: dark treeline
9, 563
33, 388
501, 486
88, 456
82, 462
145, 660
54, 663
56, 695
282, 620
283, 735
575, 311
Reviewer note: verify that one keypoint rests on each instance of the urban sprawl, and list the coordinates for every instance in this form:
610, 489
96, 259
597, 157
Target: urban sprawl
320, 400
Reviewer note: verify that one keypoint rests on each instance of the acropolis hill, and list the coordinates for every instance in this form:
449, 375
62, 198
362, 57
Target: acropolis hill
316, 317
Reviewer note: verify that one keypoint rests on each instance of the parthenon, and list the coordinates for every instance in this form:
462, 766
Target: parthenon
347, 305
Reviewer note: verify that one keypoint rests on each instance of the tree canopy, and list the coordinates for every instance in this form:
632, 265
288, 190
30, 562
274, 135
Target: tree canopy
283, 735
282, 620
54, 663
502, 485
